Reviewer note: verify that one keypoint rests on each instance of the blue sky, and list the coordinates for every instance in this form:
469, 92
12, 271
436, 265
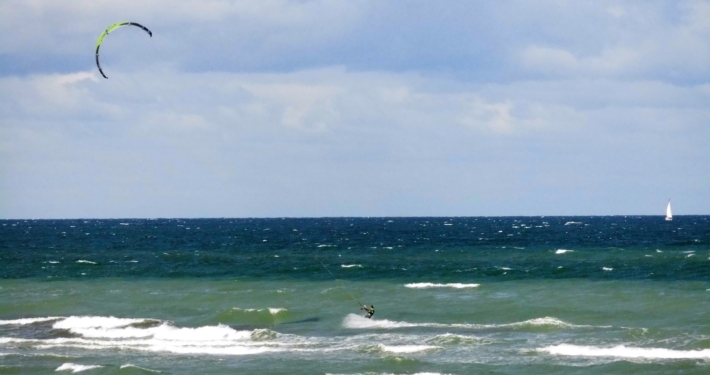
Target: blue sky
276, 108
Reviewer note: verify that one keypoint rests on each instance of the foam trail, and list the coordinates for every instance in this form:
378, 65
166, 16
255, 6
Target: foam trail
622, 351
432, 285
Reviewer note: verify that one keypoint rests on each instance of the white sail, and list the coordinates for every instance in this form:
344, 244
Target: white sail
669, 214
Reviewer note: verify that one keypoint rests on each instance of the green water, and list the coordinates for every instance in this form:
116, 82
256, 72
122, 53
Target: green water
500, 328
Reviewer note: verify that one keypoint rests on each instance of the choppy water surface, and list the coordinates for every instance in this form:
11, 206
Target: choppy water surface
581, 295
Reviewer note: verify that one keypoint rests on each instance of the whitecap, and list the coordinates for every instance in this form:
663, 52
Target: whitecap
351, 265
573, 223
128, 365
85, 261
607, 269
406, 348
104, 322
622, 351
432, 285
75, 368
562, 251
271, 310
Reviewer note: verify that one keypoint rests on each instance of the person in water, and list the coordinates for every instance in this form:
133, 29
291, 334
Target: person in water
370, 311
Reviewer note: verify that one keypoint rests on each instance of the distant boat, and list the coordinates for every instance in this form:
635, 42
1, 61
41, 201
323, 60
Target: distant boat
669, 214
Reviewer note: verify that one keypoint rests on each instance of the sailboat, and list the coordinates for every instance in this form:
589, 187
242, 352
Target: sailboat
669, 214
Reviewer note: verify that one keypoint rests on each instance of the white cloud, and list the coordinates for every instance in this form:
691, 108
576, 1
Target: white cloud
332, 107
304, 106
555, 62
495, 117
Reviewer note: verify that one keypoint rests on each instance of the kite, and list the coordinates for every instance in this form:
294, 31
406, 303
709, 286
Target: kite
111, 28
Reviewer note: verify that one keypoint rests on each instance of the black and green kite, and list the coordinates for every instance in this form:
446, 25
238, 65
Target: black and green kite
111, 28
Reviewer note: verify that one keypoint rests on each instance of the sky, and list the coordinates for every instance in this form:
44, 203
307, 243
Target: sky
319, 108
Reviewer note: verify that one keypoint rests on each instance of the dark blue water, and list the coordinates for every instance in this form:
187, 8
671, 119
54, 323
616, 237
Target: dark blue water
440, 249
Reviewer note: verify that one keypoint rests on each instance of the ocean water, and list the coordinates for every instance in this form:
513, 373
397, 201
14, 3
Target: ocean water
505, 295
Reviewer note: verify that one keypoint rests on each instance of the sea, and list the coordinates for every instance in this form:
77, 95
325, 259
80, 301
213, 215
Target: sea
452, 295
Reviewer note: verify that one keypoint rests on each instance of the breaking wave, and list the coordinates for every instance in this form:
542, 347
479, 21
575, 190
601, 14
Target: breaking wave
150, 335
353, 321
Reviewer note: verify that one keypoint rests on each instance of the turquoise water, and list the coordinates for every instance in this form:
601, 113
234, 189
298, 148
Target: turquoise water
452, 296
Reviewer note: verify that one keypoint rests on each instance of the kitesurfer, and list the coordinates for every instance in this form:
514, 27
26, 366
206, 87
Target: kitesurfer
370, 311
